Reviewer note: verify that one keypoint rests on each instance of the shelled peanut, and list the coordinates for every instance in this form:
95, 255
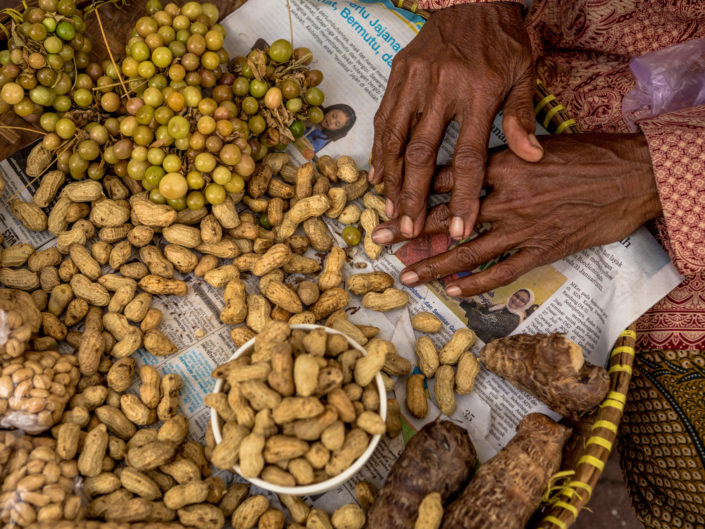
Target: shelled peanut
37, 486
294, 409
20, 319
34, 388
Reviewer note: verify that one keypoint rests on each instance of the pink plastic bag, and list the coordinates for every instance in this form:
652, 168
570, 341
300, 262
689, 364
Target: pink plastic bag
667, 80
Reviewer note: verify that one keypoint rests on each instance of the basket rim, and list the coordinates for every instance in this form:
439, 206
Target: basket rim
564, 502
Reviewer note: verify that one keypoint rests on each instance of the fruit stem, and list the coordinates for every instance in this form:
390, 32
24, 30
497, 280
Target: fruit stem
110, 53
24, 128
139, 85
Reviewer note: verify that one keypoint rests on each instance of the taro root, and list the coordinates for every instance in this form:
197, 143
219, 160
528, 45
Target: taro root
505, 491
551, 368
439, 459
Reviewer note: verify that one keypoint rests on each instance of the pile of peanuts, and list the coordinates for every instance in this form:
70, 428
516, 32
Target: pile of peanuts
301, 407
453, 369
74, 314
134, 476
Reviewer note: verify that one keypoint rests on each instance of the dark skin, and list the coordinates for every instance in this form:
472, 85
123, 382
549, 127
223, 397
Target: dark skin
588, 190
449, 72
547, 199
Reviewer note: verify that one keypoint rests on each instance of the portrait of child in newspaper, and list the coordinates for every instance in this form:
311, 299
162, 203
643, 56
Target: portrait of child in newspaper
337, 121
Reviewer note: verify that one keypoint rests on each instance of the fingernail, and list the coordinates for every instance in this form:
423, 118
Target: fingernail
407, 226
457, 227
382, 236
453, 291
371, 174
409, 278
533, 140
389, 208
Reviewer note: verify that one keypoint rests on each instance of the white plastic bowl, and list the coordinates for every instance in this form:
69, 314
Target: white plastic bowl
335, 481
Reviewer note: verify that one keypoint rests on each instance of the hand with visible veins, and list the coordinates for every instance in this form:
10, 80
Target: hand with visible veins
467, 62
589, 189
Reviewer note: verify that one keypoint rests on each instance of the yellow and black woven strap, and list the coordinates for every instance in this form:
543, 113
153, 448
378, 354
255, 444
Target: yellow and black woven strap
570, 490
413, 6
550, 113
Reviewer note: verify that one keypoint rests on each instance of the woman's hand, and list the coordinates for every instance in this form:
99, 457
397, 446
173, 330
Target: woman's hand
467, 62
589, 189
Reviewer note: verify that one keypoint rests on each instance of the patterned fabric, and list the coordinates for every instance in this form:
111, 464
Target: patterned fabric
677, 146
678, 320
440, 4
622, 28
661, 439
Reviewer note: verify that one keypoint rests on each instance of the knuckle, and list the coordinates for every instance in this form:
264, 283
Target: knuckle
466, 255
392, 182
393, 140
452, 70
467, 159
379, 120
416, 67
559, 244
432, 271
413, 202
443, 182
399, 60
505, 273
420, 153
439, 216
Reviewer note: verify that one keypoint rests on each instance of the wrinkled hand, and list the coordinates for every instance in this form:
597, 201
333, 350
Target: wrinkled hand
466, 62
589, 189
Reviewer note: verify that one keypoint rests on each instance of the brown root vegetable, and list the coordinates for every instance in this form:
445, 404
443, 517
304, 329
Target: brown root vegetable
551, 368
505, 491
437, 459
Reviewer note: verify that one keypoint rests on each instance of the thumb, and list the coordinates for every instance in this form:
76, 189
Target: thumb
518, 119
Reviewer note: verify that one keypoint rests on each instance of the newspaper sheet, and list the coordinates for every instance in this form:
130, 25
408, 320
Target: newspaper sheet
590, 296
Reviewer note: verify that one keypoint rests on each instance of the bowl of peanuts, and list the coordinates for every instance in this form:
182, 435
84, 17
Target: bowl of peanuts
299, 409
